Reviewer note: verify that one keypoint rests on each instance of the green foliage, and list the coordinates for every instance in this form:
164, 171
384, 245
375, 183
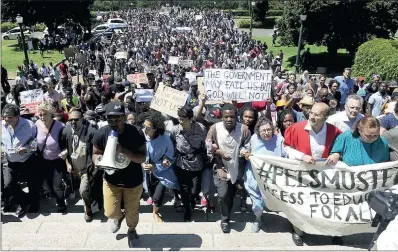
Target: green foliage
338, 23
277, 5
51, 13
6, 26
275, 12
267, 23
260, 11
377, 56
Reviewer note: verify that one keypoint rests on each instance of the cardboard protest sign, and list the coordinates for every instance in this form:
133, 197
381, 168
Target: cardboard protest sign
185, 63
137, 78
69, 52
191, 76
173, 60
121, 55
143, 95
198, 17
168, 100
239, 85
321, 199
31, 99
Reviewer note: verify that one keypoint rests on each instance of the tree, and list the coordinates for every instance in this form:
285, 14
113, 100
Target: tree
338, 23
260, 10
52, 13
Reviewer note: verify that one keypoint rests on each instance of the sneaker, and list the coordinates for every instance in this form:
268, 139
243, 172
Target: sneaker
116, 225
256, 226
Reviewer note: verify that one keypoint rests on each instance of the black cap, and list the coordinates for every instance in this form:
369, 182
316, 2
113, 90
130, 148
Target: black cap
115, 108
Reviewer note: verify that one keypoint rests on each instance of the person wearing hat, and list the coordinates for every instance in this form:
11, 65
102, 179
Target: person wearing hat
124, 183
308, 141
305, 104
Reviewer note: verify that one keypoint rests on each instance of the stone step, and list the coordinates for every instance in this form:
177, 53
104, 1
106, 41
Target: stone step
74, 239
69, 231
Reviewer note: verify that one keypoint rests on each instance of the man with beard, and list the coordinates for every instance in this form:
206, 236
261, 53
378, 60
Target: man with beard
228, 138
78, 141
347, 120
124, 183
309, 141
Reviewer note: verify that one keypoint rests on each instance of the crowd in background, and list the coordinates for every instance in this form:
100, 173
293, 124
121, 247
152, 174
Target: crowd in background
206, 147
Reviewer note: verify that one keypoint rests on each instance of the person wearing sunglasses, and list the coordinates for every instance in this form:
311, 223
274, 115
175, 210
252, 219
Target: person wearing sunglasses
77, 136
362, 146
159, 161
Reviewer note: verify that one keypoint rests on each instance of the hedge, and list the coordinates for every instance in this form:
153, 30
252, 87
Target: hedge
275, 13
6, 26
269, 23
377, 56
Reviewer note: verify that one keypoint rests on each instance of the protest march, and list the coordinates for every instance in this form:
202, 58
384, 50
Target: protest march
180, 106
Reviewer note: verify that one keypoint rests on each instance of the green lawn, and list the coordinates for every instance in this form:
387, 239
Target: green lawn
290, 53
12, 56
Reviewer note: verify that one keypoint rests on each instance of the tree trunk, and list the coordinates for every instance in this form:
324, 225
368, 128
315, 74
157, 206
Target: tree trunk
332, 51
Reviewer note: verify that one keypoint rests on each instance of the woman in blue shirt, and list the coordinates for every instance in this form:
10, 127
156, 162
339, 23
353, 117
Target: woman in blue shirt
264, 141
361, 147
159, 161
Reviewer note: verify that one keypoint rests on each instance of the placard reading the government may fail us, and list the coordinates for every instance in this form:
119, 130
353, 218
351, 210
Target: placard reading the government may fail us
240, 85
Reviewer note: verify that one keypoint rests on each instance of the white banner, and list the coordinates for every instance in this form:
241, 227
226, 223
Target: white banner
121, 55
321, 199
239, 85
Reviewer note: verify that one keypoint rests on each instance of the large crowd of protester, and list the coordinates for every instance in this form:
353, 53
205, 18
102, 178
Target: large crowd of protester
207, 146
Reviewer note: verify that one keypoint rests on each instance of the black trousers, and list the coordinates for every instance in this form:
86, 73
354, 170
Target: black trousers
13, 172
156, 189
226, 192
190, 186
53, 172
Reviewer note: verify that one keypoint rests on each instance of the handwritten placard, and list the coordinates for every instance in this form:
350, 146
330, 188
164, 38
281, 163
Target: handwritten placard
191, 76
121, 55
31, 99
185, 63
168, 100
198, 17
238, 85
137, 78
173, 60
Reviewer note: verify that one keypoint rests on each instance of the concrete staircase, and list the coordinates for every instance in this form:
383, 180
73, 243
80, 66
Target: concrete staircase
54, 231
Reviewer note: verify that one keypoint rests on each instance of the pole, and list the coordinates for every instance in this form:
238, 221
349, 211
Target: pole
24, 49
251, 19
298, 48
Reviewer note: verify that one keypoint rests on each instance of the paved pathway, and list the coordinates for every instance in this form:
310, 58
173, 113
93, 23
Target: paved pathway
53, 231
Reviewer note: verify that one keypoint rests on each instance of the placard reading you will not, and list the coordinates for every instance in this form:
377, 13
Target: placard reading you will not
168, 100
239, 85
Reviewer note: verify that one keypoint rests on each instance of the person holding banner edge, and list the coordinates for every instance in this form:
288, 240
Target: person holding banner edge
309, 141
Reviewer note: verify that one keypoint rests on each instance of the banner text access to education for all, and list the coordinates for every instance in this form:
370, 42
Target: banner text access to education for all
240, 85
319, 199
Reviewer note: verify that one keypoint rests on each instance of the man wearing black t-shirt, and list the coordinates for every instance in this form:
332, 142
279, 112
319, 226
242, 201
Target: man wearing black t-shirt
125, 183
